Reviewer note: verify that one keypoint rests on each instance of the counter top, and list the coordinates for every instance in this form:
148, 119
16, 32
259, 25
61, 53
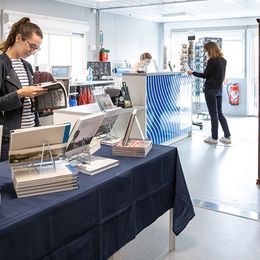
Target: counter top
153, 73
94, 82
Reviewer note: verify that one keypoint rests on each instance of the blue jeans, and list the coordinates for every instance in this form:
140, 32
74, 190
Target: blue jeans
213, 99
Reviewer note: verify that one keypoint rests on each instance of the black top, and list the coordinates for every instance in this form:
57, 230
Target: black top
214, 73
11, 106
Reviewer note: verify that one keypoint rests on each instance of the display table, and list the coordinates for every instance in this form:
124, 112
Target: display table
106, 212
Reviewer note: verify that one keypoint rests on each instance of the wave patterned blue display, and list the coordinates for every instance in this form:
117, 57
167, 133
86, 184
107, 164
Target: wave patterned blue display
168, 106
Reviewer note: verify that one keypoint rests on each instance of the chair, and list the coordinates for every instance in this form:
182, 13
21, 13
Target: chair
42, 76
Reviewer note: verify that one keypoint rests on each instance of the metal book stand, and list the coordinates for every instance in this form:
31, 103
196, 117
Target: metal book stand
85, 156
42, 163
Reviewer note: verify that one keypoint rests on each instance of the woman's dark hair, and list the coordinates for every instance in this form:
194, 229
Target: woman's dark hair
25, 28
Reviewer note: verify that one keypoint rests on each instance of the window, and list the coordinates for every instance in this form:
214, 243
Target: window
59, 49
64, 41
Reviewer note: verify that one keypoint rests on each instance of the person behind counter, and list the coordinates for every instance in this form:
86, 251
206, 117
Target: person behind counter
214, 75
16, 79
145, 60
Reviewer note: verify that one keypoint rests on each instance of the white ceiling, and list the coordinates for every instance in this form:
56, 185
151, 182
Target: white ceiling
178, 10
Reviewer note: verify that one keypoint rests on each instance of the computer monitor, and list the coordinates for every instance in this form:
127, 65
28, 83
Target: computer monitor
99, 69
61, 72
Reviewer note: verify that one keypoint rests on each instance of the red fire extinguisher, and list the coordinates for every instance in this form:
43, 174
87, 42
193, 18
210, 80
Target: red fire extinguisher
103, 54
233, 93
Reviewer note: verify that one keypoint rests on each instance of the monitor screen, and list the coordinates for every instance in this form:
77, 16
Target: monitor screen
99, 69
61, 72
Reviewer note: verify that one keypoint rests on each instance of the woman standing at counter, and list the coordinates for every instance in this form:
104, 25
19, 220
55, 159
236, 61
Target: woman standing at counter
16, 90
214, 75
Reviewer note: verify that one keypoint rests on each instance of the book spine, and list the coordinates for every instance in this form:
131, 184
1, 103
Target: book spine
66, 133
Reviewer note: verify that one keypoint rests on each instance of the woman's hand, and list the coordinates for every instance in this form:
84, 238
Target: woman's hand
189, 72
31, 91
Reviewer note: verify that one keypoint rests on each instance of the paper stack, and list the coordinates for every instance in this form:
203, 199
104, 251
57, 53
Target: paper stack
134, 148
36, 180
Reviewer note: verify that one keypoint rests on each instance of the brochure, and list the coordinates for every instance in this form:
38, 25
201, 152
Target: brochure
55, 98
104, 101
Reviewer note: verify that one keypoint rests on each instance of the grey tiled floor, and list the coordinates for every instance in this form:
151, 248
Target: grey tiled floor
223, 175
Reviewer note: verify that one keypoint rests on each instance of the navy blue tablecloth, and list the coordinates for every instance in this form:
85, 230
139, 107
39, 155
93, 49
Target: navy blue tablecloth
106, 212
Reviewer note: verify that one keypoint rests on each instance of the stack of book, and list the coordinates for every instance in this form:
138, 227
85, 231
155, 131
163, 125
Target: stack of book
134, 148
29, 180
34, 159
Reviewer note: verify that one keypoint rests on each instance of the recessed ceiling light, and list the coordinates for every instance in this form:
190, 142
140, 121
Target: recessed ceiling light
175, 14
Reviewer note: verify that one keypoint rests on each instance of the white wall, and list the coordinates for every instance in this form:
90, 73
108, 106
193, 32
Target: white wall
55, 9
127, 37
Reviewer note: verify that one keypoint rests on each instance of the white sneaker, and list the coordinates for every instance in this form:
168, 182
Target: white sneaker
225, 140
210, 140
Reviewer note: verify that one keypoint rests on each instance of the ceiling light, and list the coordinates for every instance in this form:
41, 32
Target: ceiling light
175, 14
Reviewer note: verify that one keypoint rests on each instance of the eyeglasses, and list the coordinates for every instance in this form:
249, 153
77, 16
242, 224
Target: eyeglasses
33, 46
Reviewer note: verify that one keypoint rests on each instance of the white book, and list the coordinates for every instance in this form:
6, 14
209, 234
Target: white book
96, 165
83, 132
29, 176
24, 156
53, 185
40, 192
35, 136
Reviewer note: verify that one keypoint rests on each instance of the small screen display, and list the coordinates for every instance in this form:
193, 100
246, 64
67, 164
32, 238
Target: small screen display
61, 72
99, 68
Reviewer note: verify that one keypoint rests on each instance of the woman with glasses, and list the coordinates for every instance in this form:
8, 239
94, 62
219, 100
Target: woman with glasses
16, 81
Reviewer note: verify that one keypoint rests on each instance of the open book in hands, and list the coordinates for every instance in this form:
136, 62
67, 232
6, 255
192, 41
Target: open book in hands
55, 98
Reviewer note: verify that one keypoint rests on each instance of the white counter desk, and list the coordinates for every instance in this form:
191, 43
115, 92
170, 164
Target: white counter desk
71, 115
167, 98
